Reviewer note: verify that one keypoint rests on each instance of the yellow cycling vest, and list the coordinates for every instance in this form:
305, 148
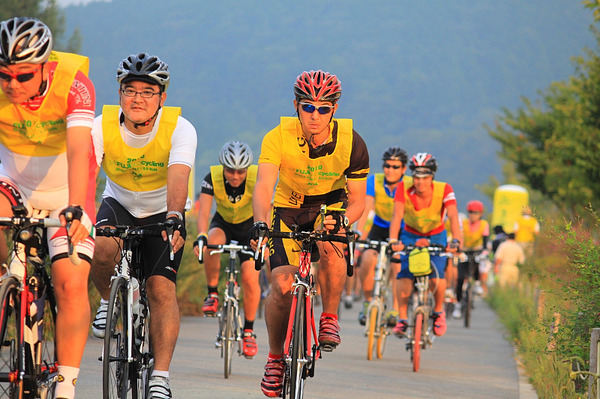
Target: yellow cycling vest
137, 169
427, 219
526, 229
241, 210
384, 204
42, 132
473, 239
301, 176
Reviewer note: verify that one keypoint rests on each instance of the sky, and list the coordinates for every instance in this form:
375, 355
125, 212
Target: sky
64, 3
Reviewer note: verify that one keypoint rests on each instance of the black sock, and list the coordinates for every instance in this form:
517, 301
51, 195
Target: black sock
248, 325
213, 289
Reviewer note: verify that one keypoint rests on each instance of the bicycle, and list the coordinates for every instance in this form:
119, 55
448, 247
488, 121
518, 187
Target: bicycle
28, 364
127, 359
301, 348
420, 331
376, 325
230, 320
473, 260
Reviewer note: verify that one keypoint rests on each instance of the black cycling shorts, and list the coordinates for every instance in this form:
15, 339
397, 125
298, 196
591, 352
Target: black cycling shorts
236, 232
154, 250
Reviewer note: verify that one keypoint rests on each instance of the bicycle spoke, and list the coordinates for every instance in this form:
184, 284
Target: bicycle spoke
114, 365
9, 339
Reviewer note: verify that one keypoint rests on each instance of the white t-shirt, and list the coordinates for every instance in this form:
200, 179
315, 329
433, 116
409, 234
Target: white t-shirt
148, 203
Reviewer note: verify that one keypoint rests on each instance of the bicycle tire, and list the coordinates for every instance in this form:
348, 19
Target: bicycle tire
229, 338
372, 330
140, 371
47, 368
417, 337
381, 340
10, 326
297, 365
115, 367
468, 305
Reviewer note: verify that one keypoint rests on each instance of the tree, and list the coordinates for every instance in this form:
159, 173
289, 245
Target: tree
554, 144
46, 11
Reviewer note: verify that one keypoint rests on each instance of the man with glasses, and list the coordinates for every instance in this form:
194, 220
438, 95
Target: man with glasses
423, 204
381, 188
311, 160
147, 152
231, 185
46, 113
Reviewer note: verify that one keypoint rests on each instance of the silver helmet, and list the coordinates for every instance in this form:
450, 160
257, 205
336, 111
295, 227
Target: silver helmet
235, 155
24, 40
144, 67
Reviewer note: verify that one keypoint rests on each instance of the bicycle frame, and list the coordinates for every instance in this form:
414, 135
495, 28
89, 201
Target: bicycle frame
34, 374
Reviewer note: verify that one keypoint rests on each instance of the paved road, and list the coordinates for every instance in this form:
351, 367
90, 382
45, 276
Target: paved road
465, 363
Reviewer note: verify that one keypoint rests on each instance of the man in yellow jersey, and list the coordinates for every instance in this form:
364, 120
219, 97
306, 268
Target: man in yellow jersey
46, 113
314, 159
231, 185
423, 204
147, 151
476, 233
381, 188
527, 228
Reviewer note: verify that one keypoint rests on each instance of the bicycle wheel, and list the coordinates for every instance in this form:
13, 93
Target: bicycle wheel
373, 329
115, 367
381, 340
10, 333
46, 362
417, 337
468, 306
228, 339
297, 366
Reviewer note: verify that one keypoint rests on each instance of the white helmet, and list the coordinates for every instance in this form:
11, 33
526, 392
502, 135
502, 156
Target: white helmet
235, 155
24, 39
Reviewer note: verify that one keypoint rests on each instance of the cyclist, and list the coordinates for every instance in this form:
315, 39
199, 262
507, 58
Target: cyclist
527, 228
318, 160
147, 151
381, 188
423, 204
476, 233
46, 113
230, 184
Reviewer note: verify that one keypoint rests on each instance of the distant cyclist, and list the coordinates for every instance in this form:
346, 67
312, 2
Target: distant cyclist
147, 151
381, 188
423, 204
230, 184
46, 113
476, 233
311, 160
527, 228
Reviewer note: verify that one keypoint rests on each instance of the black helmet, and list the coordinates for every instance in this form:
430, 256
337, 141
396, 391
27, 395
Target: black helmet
422, 164
144, 67
395, 154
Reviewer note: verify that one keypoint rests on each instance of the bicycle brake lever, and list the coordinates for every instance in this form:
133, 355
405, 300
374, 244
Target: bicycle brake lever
170, 239
72, 252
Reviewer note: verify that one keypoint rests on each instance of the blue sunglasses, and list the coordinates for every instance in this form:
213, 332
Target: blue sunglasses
310, 108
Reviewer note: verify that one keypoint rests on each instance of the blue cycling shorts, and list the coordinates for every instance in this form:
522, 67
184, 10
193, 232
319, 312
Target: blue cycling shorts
438, 261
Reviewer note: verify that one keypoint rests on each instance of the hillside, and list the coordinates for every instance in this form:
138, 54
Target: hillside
423, 75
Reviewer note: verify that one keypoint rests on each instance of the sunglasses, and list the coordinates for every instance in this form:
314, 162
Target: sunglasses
235, 171
387, 165
310, 108
21, 77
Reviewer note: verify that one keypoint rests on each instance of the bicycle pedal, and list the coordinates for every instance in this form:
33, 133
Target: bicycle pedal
327, 347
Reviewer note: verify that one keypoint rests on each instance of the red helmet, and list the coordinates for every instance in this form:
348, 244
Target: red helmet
475, 206
317, 86
422, 164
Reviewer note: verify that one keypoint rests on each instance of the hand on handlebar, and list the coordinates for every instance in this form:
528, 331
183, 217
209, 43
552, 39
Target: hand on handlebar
77, 222
174, 232
396, 245
453, 246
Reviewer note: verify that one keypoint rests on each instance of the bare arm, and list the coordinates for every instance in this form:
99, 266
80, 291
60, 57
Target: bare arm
79, 139
454, 223
205, 202
362, 221
396, 221
357, 190
263, 191
177, 193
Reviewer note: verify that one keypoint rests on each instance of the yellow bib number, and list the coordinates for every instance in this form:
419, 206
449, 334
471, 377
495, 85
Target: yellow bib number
419, 262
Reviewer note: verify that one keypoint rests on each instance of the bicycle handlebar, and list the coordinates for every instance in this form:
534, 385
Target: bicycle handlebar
220, 248
434, 249
319, 235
